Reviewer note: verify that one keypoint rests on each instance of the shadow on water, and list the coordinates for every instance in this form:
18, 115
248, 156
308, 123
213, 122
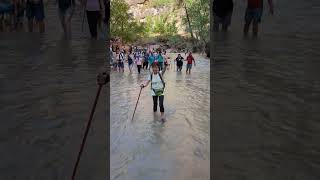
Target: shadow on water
265, 122
47, 90
146, 148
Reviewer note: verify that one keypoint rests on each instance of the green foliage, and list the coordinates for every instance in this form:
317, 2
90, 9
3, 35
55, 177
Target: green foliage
199, 14
121, 22
160, 3
160, 25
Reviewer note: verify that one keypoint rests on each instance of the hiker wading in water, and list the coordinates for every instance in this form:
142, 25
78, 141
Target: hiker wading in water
253, 15
66, 9
157, 88
94, 9
189, 60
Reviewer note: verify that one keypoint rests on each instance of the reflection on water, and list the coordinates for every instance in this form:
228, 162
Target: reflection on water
266, 94
144, 148
47, 87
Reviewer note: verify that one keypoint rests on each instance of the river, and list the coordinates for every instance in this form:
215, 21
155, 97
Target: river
145, 148
47, 89
266, 96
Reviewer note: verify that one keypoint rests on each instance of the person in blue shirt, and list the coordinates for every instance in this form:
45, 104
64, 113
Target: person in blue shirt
151, 59
160, 60
145, 62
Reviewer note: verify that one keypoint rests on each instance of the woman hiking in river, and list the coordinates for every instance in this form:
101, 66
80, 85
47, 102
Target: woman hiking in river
157, 88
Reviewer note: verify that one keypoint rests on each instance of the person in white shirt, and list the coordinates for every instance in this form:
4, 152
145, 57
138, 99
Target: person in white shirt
139, 60
157, 88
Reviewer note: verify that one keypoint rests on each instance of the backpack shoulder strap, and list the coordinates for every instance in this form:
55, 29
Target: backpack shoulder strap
161, 79
151, 80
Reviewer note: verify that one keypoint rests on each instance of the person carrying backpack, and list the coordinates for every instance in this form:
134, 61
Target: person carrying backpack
190, 60
130, 62
157, 88
120, 60
145, 61
160, 60
139, 63
179, 61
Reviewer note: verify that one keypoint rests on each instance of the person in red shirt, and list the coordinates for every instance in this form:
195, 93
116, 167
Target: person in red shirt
190, 59
253, 15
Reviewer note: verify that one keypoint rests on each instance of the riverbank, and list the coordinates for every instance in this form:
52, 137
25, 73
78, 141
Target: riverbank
176, 44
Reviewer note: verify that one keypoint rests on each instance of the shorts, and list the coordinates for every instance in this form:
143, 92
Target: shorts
189, 66
120, 65
253, 15
66, 13
225, 21
35, 11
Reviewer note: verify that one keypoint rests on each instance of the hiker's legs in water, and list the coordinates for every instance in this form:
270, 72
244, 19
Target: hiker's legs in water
68, 21
30, 25
1, 23
139, 68
41, 26
39, 16
63, 21
161, 99
216, 23
189, 68
93, 17
248, 19
226, 22
155, 103
119, 67
256, 21
29, 15
255, 28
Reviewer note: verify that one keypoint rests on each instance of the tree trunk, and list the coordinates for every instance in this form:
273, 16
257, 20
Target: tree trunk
188, 19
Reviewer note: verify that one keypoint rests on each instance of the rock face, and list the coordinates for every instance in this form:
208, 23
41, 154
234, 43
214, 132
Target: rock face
140, 9
135, 2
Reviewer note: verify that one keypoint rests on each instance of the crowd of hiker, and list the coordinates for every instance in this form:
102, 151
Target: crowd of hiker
14, 13
143, 58
155, 62
222, 12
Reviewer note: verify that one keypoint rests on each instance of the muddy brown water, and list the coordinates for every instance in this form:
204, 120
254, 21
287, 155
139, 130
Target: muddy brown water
145, 148
266, 96
47, 88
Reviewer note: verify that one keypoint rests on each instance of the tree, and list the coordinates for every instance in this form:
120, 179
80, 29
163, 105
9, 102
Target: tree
198, 19
121, 22
184, 4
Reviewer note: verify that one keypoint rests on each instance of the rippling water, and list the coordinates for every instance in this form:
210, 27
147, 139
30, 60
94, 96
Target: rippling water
144, 148
266, 96
47, 87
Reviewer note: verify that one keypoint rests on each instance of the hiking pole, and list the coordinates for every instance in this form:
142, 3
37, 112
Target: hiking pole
136, 104
107, 79
86, 133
